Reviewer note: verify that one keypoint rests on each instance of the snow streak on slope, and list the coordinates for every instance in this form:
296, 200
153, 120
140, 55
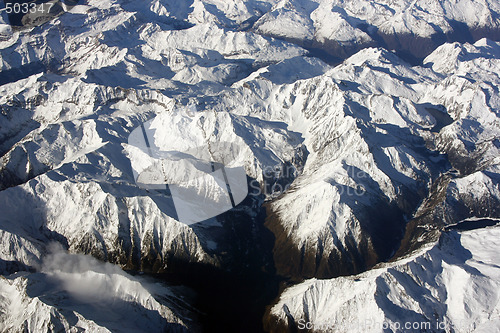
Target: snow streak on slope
376, 132
366, 146
72, 91
65, 129
413, 28
450, 286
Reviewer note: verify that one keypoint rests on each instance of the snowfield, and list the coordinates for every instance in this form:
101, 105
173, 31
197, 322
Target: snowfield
370, 129
76, 292
451, 285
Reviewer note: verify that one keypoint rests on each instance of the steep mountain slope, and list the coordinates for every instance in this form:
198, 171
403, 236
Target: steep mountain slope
65, 129
413, 28
380, 137
449, 286
79, 293
351, 160
469, 191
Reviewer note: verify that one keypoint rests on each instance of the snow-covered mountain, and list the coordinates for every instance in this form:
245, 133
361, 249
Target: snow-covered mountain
376, 143
354, 164
450, 286
413, 28
74, 292
463, 79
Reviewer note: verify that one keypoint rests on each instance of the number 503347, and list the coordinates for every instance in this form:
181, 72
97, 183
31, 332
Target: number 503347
25, 8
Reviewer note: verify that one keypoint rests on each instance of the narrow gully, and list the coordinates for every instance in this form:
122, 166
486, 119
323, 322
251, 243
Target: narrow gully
234, 296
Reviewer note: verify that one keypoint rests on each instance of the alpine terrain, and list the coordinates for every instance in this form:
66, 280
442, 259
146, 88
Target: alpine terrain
249, 166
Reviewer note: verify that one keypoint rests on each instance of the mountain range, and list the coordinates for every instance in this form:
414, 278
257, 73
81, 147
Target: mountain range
369, 133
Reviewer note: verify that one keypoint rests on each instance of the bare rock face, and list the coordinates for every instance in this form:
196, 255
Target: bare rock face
434, 289
465, 195
347, 166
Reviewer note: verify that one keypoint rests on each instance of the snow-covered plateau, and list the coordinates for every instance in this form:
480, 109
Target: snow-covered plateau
369, 133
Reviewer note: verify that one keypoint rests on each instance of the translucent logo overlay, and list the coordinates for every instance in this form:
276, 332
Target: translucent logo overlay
204, 180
